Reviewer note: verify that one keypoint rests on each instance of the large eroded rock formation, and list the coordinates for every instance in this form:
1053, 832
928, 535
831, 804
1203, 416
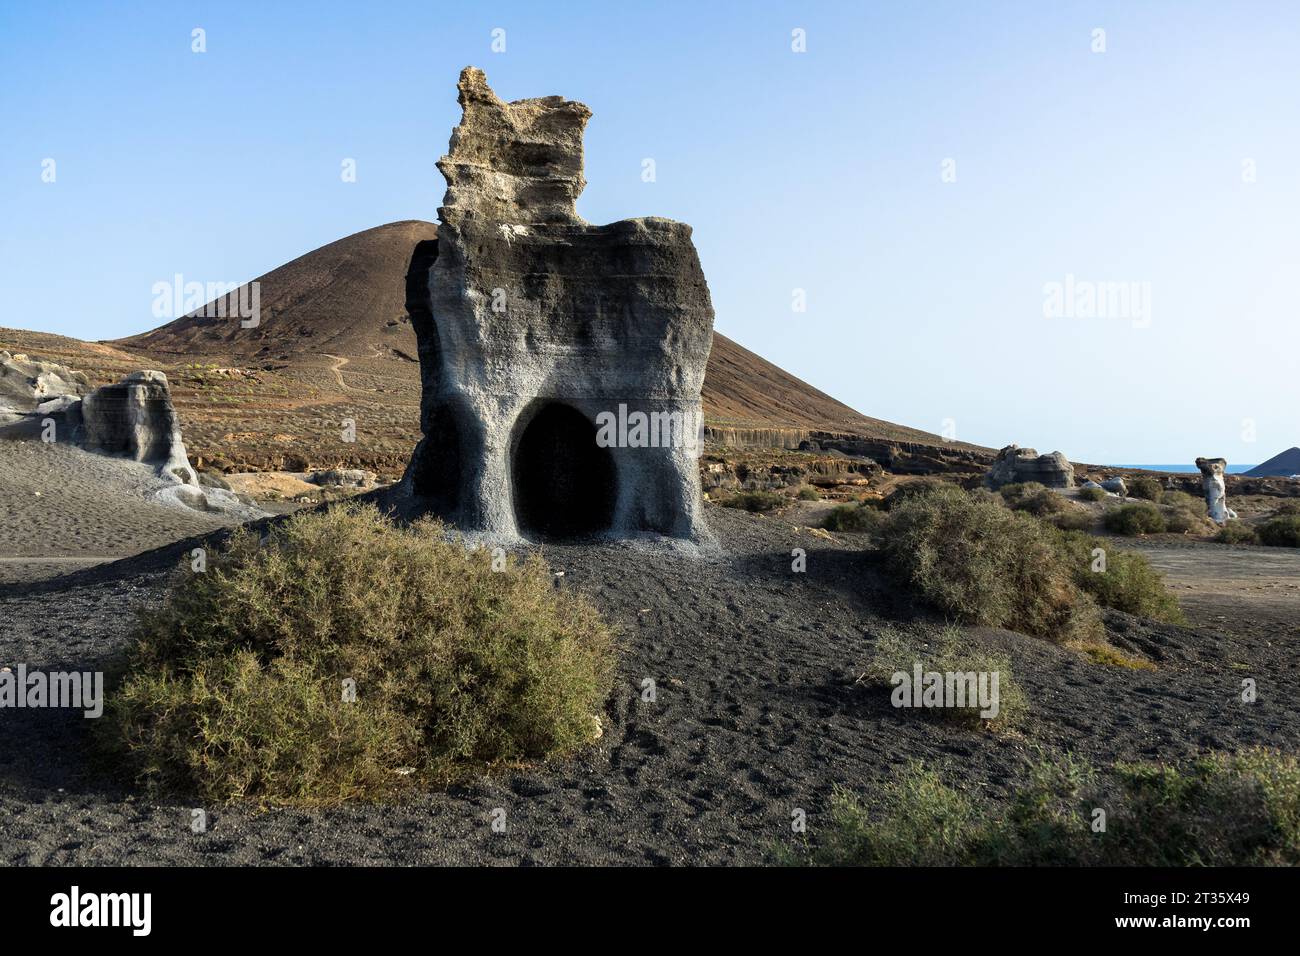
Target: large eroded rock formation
1015, 464
136, 418
561, 362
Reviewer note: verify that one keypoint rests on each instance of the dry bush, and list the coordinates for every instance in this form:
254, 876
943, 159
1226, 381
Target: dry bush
1283, 532
949, 651
1237, 532
1224, 809
1144, 486
857, 517
754, 501
235, 687
983, 564
1119, 578
1139, 518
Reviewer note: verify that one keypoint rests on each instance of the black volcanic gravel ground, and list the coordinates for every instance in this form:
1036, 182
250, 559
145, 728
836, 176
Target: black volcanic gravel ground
757, 714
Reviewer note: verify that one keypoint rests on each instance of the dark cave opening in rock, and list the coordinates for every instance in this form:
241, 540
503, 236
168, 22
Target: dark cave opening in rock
564, 483
438, 474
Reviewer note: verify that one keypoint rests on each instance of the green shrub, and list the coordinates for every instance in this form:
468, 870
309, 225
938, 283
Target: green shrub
948, 652
1181, 521
1228, 809
1041, 503
923, 822
853, 518
753, 501
1019, 490
1281, 532
809, 493
1237, 532
1140, 518
1123, 579
987, 495
1225, 809
1144, 486
235, 687
1182, 501
1075, 519
983, 564
1092, 494
911, 489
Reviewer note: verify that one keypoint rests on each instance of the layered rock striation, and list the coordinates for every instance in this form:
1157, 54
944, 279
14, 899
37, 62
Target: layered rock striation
1014, 464
561, 361
135, 418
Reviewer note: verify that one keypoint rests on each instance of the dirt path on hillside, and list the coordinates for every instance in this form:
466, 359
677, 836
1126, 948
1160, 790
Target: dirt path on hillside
339, 362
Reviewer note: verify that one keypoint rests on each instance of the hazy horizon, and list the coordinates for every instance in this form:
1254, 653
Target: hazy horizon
936, 179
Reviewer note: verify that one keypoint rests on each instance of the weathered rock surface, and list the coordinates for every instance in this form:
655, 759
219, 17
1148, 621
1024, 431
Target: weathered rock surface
561, 362
344, 478
1014, 464
1216, 494
1116, 486
29, 385
903, 458
135, 418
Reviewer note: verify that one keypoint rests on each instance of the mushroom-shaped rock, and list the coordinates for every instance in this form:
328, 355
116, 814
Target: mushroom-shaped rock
1216, 493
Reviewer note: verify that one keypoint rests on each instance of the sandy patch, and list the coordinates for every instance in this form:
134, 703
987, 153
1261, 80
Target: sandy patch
62, 508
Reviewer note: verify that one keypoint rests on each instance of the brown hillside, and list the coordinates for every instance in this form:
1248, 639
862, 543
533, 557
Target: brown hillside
346, 299
334, 345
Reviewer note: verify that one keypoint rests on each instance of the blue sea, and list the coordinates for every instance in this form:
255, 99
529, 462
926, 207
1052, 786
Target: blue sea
1190, 469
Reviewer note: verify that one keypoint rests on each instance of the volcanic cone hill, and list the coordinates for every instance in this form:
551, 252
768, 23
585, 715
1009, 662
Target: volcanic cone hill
334, 344
1286, 463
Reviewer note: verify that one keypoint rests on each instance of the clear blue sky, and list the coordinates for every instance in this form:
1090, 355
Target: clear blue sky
819, 171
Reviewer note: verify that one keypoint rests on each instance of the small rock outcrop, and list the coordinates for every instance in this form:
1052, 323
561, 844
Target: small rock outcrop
561, 362
135, 418
1015, 464
1116, 485
1216, 494
344, 478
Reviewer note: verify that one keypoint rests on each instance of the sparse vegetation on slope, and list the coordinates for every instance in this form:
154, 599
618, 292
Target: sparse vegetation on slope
947, 652
1182, 501
753, 501
1144, 486
858, 517
239, 685
1239, 809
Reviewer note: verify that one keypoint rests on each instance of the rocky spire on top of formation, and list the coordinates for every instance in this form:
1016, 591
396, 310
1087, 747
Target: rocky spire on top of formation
514, 163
